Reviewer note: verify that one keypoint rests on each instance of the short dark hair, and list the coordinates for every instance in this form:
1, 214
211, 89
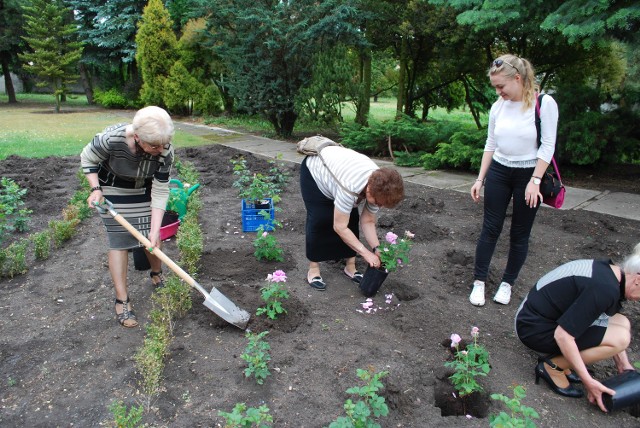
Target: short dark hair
386, 187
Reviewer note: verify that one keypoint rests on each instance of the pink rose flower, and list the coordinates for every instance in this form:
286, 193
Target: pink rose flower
391, 238
475, 331
455, 340
277, 276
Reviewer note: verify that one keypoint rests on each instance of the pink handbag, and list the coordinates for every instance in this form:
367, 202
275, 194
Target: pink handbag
556, 199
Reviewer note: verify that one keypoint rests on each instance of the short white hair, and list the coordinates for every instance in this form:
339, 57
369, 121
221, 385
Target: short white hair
632, 263
153, 125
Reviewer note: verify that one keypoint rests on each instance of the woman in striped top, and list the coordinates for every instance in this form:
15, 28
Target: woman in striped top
130, 165
333, 186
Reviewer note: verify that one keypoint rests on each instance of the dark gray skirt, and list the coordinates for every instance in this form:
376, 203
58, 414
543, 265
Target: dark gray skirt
135, 206
322, 242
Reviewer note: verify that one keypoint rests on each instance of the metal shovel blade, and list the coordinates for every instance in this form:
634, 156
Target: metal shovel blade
226, 309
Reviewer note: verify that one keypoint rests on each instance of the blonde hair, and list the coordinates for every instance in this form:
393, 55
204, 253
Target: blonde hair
512, 66
632, 263
153, 125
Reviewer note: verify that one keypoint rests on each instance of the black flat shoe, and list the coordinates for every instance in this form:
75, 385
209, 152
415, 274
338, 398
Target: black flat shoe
569, 391
317, 283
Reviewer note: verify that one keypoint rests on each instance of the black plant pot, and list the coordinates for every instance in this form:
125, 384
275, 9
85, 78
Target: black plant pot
263, 204
372, 281
169, 217
627, 388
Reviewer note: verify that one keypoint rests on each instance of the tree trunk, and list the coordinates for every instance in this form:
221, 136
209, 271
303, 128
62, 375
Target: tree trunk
472, 109
86, 83
8, 83
364, 94
227, 100
402, 76
283, 123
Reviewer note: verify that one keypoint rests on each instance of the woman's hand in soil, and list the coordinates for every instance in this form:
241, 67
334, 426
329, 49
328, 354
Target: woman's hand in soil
594, 392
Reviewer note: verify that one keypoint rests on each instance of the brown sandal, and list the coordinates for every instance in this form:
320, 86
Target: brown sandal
160, 276
126, 318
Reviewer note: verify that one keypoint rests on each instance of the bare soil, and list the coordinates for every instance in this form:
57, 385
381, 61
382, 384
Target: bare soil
64, 359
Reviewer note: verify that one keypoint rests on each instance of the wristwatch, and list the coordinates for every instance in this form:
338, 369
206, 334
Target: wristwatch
536, 180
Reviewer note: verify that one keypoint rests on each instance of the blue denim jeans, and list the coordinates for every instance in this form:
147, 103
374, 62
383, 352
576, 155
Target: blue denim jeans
503, 184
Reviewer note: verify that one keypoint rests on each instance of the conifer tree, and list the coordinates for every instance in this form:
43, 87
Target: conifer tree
157, 51
55, 52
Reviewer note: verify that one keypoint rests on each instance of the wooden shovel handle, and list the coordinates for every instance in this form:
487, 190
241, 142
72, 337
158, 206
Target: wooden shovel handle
159, 254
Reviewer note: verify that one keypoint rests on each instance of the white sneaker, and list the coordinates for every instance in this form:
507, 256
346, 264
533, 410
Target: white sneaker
503, 295
477, 294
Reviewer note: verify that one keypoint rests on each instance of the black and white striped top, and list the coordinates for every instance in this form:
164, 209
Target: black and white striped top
351, 168
109, 155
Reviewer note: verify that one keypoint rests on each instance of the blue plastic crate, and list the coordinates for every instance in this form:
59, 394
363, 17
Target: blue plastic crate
252, 219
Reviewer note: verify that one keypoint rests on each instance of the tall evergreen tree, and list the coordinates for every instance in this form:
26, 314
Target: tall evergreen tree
55, 52
157, 51
10, 41
267, 46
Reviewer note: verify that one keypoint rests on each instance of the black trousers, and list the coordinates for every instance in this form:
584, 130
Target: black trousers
501, 186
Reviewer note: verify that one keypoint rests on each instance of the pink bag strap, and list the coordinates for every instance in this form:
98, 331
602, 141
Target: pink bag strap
555, 167
538, 124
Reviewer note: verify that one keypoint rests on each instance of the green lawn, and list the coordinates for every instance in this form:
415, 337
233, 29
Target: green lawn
33, 129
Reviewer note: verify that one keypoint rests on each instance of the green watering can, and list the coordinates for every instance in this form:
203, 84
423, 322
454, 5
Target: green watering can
179, 196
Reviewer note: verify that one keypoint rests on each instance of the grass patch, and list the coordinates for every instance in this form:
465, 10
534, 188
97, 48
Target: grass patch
32, 129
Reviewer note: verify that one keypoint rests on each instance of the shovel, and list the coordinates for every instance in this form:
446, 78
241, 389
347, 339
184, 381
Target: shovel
215, 300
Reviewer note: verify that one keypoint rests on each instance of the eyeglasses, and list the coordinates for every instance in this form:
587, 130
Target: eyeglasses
498, 63
155, 146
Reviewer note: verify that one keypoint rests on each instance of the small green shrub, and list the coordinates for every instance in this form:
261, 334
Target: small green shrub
79, 200
123, 418
42, 244
371, 406
406, 134
186, 171
257, 186
150, 359
247, 417
266, 245
15, 258
13, 217
413, 159
63, 230
463, 151
190, 242
520, 416
174, 299
111, 98
256, 354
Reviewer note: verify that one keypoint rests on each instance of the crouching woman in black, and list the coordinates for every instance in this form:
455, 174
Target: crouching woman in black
571, 319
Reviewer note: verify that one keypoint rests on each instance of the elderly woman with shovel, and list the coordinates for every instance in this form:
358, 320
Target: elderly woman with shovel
130, 165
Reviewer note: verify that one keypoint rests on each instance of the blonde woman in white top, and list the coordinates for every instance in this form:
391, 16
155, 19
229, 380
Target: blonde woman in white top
511, 169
